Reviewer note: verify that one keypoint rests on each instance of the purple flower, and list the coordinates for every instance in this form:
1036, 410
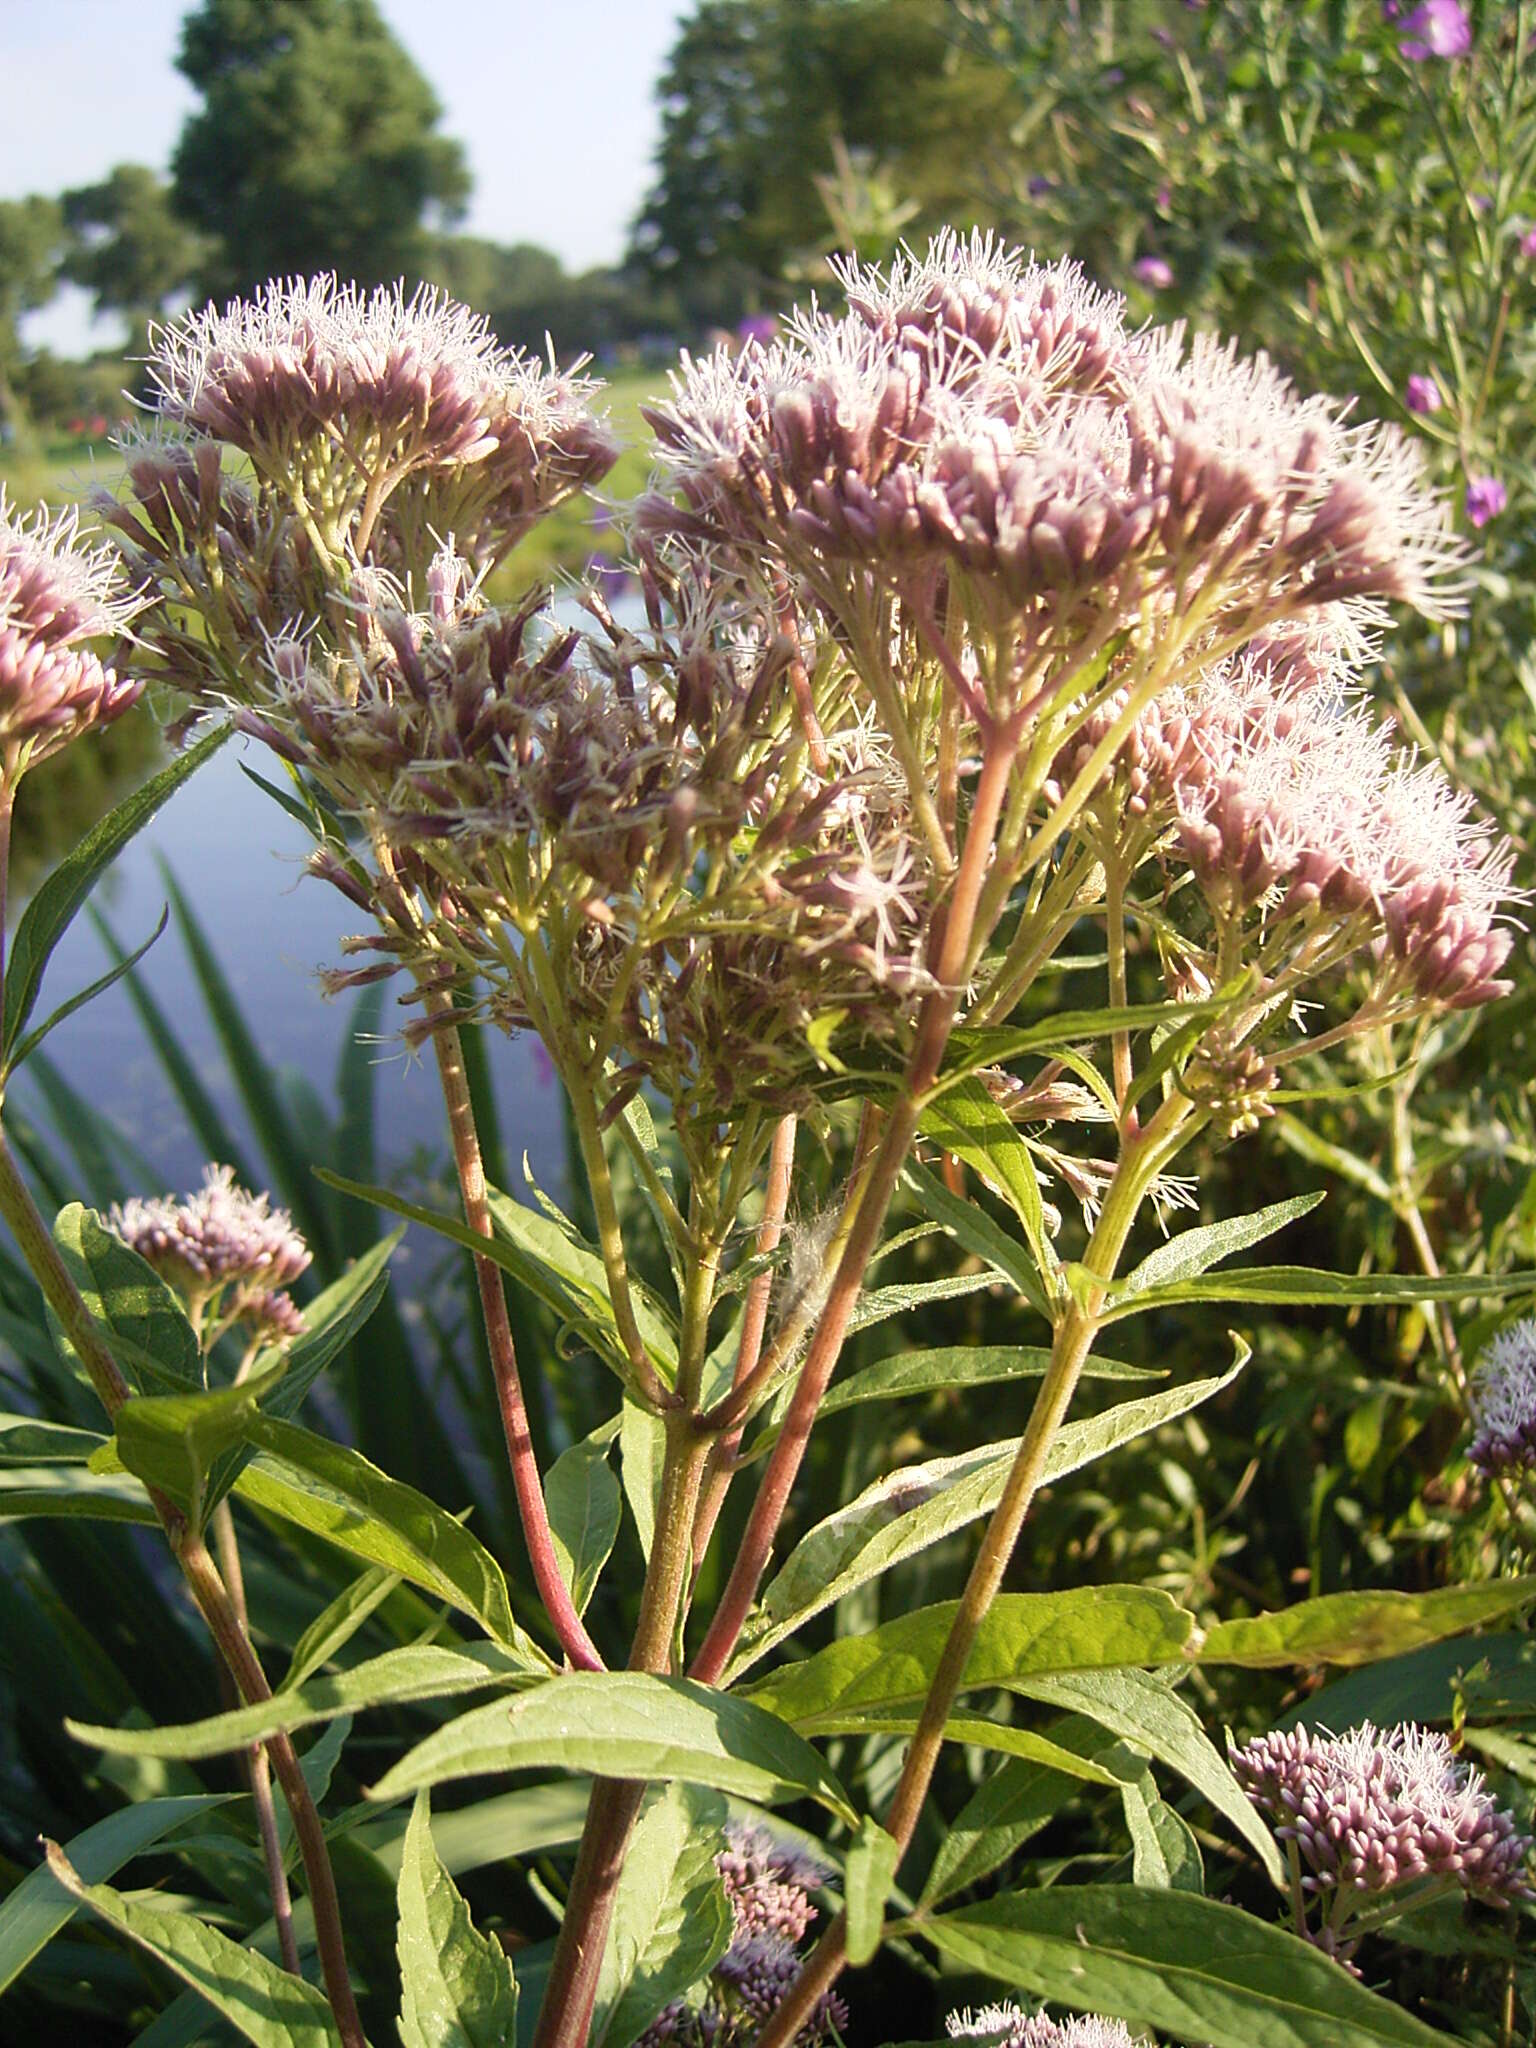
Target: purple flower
1486, 499
1039, 186
1528, 242
1504, 1402
758, 327
1154, 271
1436, 28
1422, 394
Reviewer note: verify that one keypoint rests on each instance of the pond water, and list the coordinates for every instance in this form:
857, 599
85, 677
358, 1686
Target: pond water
238, 859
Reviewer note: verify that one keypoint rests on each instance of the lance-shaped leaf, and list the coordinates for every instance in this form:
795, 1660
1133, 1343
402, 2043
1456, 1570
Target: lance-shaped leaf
626, 1724
173, 1441
1164, 1853
907, 1374
868, 1875
337, 1622
984, 1138
585, 1509
39, 1906
1024, 1635
54, 906
420, 1671
909, 1510
1499, 1671
671, 1919
81, 997
1309, 1287
24, 1440
1360, 1628
1195, 1251
1197, 1970
457, 1986
261, 2001
65, 1492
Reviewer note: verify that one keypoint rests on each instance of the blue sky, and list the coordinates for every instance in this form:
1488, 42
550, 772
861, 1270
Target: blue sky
552, 100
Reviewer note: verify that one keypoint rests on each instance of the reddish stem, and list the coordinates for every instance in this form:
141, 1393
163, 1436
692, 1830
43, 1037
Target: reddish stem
534, 1515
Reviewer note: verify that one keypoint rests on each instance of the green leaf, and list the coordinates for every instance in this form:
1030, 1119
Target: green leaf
144, 1323
172, 1441
1425, 1685
1195, 1251
671, 1919
420, 1671
261, 2001
51, 1492
995, 1046
1017, 1801
908, 1373
336, 1623
967, 1122
585, 1509
549, 1261
1164, 1853
868, 1875
26, 1441
54, 906
879, 1304
1168, 1959
457, 1987
1309, 1287
83, 996
337, 1493
1360, 1628
1143, 1709
626, 1724
1023, 1636
919, 1505
33, 1913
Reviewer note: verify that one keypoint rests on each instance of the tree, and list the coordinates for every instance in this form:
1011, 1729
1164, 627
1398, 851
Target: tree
31, 234
762, 98
314, 148
129, 248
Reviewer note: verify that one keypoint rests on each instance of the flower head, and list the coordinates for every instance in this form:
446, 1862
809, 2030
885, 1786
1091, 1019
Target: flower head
1486, 498
1504, 1402
1008, 2026
222, 1237
1528, 242
1378, 1809
55, 595
1156, 272
1436, 28
1421, 394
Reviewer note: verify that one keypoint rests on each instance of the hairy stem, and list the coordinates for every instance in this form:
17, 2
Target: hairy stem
63, 1297
532, 1511
1141, 1159
610, 1237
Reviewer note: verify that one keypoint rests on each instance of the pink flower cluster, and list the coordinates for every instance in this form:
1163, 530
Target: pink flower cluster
1009, 2026
56, 595
1504, 1402
222, 1246
1381, 1808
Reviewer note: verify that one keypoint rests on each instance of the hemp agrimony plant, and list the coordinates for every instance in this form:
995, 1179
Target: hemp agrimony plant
978, 633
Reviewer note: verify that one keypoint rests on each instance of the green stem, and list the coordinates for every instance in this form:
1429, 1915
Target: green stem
1140, 1161
610, 1238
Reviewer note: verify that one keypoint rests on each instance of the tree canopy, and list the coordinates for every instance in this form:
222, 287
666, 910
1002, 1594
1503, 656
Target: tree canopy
315, 147
128, 246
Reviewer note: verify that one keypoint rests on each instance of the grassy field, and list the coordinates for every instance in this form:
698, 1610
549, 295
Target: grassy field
60, 473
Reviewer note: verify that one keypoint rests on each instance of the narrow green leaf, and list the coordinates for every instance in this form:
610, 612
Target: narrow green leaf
918, 1506
585, 1509
642, 1447
1197, 1970
1308, 1287
54, 906
457, 1986
909, 1373
671, 1919
39, 1906
26, 1441
420, 1671
879, 1304
1023, 1636
626, 1724
1164, 1853
38, 1492
1195, 1251
1426, 1684
83, 996
338, 1494
1143, 1709
336, 1624
1017, 1801
1360, 1628
145, 1324
868, 1875
261, 2001
994, 1047
172, 1441
967, 1122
